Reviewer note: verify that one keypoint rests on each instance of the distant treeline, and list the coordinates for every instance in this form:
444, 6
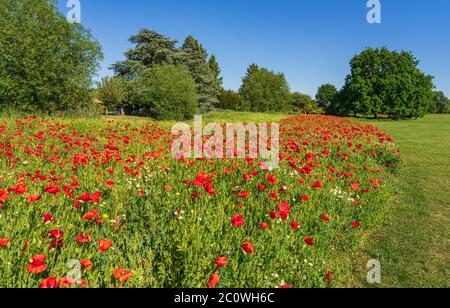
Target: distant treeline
47, 65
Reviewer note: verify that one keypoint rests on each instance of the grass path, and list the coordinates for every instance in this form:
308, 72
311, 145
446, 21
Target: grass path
414, 246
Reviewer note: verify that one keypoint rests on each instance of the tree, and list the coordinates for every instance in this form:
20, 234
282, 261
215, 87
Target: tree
46, 63
440, 104
302, 103
114, 93
194, 56
264, 91
388, 82
151, 48
167, 92
325, 95
215, 68
229, 100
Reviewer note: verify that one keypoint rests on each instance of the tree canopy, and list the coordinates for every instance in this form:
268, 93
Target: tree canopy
46, 63
325, 95
264, 91
386, 82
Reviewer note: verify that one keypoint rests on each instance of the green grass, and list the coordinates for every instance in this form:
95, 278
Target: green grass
414, 245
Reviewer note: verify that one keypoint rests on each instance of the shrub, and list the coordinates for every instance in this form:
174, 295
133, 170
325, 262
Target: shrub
230, 100
167, 92
302, 103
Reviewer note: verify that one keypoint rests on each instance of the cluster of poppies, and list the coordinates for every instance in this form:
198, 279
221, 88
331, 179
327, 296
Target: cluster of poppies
105, 193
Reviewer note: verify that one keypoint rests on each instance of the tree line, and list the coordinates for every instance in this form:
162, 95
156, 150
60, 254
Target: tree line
48, 65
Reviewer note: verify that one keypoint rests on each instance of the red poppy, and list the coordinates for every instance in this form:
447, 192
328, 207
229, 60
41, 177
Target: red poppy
37, 265
355, 186
122, 275
33, 198
47, 218
243, 195
265, 226
309, 241
356, 224
87, 264
295, 225
317, 185
237, 220
83, 238
286, 287
110, 183
248, 248
91, 215
305, 198
325, 218
52, 189
221, 262
50, 283
4, 242
214, 280
104, 245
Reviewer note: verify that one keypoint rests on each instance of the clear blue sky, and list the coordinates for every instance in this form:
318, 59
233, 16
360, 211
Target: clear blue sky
311, 41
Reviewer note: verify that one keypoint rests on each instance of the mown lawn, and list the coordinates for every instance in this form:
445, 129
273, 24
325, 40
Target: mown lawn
414, 245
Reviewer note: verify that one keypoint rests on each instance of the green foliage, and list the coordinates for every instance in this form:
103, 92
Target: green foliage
114, 92
167, 92
388, 82
151, 48
46, 63
302, 103
440, 103
229, 100
194, 56
325, 95
215, 68
264, 91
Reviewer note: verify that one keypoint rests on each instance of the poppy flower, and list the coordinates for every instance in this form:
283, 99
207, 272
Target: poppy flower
295, 225
261, 187
33, 198
309, 241
85, 197
305, 198
248, 248
214, 280
83, 238
37, 264
4, 242
122, 275
286, 287
52, 189
91, 215
66, 282
243, 195
47, 218
325, 218
50, 283
355, 186
221, 262
265, 226
86, 264
104, 245
237, 220
110, 183
317, 185
356, 224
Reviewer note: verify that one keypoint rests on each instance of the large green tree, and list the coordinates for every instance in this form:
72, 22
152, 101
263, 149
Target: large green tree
195, 57
302, 103
387, 82
150, 49
166, 92
46, 63
264, 91
325, 95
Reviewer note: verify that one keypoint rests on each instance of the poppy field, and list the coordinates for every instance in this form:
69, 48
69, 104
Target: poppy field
102, 203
